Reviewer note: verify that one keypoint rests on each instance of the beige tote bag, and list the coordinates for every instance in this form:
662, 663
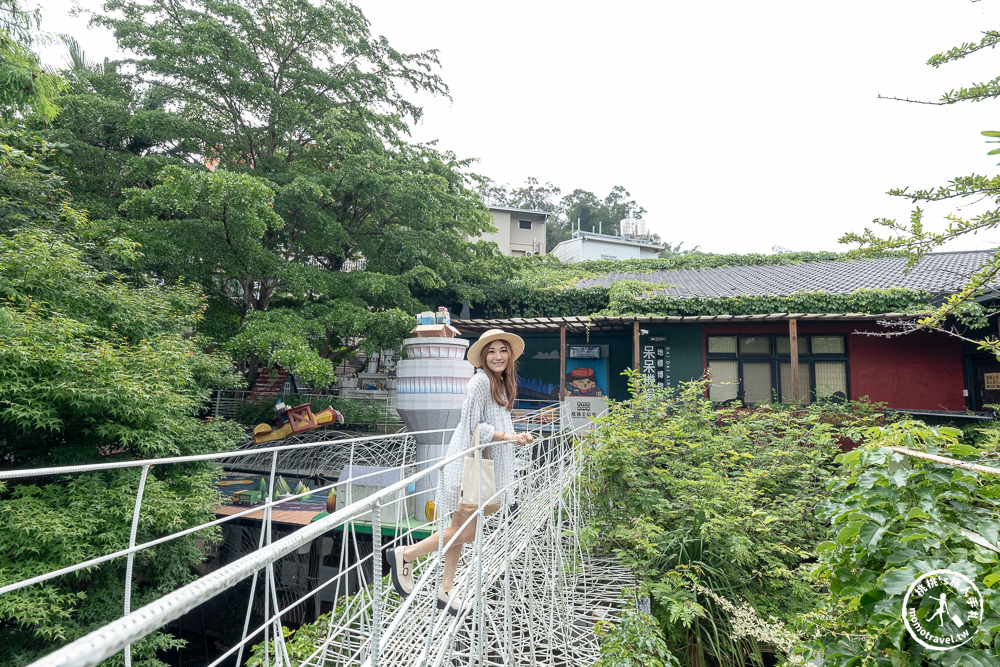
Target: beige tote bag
478, 481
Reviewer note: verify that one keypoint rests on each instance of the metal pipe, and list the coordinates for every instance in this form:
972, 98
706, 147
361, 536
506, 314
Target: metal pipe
131, 556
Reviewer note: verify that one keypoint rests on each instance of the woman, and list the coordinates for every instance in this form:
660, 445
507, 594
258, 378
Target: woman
489, 399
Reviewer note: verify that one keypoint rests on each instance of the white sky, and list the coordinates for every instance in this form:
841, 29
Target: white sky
737, 125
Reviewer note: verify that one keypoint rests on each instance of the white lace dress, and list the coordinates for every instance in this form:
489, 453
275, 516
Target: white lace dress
479, 408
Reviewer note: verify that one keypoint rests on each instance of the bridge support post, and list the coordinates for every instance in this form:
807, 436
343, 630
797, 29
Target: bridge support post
376, 580
131, 556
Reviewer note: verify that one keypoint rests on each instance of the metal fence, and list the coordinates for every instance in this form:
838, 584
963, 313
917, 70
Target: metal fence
531, 594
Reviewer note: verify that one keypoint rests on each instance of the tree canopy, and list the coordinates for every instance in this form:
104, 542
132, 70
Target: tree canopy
260, 149
915, 237
94, 367
579, 207
25, 87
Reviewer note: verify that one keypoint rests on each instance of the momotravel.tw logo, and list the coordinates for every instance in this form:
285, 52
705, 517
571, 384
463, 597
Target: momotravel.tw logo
942, 609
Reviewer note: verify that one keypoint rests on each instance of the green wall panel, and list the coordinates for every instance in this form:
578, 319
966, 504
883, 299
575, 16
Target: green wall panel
539, 365
682, 352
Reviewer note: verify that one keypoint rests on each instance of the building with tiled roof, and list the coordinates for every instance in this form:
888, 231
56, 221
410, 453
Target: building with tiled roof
768, 357
937, 273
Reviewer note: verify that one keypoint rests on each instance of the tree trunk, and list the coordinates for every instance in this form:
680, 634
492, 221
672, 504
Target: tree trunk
253, 370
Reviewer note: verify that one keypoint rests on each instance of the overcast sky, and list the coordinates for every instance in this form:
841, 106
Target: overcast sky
738, 126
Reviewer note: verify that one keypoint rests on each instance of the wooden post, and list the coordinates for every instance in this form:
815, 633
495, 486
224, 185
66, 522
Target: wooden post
635, 345
793, 349
562, 361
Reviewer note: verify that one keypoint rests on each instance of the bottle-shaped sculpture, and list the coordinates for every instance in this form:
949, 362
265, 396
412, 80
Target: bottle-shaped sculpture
430, 388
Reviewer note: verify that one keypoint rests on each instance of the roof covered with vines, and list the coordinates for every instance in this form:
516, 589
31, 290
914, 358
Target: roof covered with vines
937, 273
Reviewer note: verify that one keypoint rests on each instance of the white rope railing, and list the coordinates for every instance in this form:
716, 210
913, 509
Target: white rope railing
375, 627
132, 549
112, 638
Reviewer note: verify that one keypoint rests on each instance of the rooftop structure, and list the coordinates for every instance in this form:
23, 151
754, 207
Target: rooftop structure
520, 232
593, 245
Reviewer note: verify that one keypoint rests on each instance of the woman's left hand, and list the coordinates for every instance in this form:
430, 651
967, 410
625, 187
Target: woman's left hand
524, 438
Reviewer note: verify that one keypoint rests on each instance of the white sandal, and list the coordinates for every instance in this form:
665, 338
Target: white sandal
400, 570
450, 601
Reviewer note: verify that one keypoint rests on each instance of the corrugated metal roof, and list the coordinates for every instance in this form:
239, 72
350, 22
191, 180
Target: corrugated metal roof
519, 210
938, 273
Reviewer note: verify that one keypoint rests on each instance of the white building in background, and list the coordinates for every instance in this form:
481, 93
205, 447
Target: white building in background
590, 245
519, 231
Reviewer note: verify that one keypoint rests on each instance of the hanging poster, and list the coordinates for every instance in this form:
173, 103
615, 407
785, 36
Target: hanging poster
656, 365
587, 377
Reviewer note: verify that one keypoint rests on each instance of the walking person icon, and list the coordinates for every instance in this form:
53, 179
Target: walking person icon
942, 608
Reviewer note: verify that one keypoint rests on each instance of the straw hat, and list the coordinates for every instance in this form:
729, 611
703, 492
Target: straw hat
514, 342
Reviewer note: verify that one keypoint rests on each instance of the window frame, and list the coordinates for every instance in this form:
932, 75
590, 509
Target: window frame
521, 223
775, 359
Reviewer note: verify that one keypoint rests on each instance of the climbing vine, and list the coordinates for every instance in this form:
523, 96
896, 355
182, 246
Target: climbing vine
547, 287
632, 297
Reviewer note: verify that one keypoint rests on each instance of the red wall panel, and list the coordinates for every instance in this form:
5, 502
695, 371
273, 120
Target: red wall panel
918, 370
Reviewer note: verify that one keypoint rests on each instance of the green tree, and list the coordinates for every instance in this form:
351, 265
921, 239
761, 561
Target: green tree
296, 106
93, 368
594, 214
118, 131
915, 238
24, 86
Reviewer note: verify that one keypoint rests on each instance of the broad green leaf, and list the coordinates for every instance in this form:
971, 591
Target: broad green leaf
870, 534
868, 479
989, 528
964, 450
913, 534
848, 532
896, 581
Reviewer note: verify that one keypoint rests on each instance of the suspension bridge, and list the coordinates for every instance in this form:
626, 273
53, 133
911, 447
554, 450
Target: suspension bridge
531, 594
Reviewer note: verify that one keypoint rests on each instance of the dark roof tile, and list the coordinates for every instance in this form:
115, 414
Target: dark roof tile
937, 273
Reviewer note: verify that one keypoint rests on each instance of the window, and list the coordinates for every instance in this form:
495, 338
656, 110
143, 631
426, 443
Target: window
758, 369
524, 224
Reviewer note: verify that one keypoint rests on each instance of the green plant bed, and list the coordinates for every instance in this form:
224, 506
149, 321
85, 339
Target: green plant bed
717, 511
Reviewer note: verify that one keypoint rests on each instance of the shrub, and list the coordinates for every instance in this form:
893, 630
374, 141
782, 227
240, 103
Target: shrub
635, 642
713, 505
891, 519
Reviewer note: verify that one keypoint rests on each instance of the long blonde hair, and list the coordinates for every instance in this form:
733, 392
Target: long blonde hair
503, 385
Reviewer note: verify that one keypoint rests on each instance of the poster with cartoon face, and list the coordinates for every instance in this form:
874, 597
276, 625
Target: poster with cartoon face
586, 377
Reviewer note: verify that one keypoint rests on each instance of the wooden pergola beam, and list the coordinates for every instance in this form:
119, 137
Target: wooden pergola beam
635, 345
562, 361
793, 349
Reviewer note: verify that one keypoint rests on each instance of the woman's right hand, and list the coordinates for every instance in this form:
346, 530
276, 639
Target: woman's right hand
523, 438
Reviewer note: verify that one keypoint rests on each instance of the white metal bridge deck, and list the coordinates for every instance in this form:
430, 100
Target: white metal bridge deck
531, 594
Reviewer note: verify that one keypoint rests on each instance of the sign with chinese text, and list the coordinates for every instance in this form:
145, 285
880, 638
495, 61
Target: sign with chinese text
656, 365
580, 410
992, 380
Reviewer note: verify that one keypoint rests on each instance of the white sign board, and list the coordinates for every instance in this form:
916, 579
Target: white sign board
580, 410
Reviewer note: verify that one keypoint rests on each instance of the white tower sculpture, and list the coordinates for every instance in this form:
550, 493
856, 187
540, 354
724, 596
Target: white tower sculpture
430, 388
